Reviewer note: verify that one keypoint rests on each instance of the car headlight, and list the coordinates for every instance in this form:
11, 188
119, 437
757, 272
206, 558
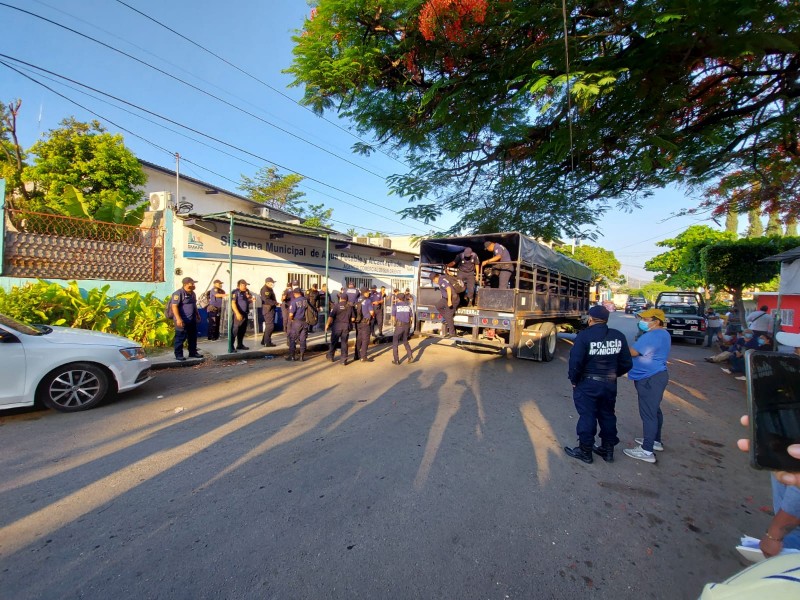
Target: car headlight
133, 353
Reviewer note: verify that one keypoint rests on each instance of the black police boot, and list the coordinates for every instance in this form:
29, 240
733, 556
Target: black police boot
580, 452
290, 356
606, 451
302, 357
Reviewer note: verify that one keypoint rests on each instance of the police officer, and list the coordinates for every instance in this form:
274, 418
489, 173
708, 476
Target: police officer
183, 310
401, 315
363, 307
377, 298
469, 269
268, 303
501, 255
339, 321
298, 328
286, 298
214, 309
352, 293
445, 305
314, 304
599, 356
240, 301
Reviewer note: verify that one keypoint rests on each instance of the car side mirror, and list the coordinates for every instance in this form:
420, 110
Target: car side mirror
7, 337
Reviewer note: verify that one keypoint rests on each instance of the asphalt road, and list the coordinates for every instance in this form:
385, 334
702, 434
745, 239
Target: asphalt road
441, 479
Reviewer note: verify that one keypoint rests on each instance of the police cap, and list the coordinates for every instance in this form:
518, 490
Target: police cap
242, 281
599, 312
269, 280
364, 290
187, 280
297, 290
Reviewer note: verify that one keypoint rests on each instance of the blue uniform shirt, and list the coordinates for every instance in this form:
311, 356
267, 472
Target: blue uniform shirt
599, 351
297, 308
366, 308
186, 303
212, 298
401, 310
653, 348
352, 295
467, 265
242, 300
502, 251
443, 285
341, 313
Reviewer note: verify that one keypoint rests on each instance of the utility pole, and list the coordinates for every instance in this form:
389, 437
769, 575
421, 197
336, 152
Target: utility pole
177, 181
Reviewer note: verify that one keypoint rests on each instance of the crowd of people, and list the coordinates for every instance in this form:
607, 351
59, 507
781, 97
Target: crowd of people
733, 338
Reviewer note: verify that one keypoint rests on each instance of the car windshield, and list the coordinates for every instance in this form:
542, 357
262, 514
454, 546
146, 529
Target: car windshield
20, 327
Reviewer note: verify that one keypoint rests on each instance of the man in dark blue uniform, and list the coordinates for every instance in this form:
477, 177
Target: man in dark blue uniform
286, 298
183, 310
401, 313
445, 305
240, 301
599, 356
215, 296
364, 316
502, 256
468, 267
268, 303
352, 293
298, 328
341, 317
377, 298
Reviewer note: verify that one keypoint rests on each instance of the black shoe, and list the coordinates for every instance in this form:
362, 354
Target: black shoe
606, 452
290, 357
195, 356
269, 345
242, 348
180, 358
330, 357
583, 453
344, 362
395, 362
302, 357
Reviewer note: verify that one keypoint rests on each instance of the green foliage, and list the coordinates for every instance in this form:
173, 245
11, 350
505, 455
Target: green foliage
84, 156
112, 208
755, 228
652, 290
273, 189
139, 318
602, 262
681, 266
660, 92
317, 216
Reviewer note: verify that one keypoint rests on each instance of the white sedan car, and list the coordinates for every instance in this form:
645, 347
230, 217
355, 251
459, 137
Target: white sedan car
66, 369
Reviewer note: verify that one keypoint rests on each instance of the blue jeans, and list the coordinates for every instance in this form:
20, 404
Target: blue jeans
595, 402
779, 500
651, 392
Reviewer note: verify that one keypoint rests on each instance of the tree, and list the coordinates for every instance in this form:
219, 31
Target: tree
755, 227
604, 265
82, 155
273, 189
774, 225
316, 215
12, 157
732, 222
681, 266
652, 290
499, 128
734, 266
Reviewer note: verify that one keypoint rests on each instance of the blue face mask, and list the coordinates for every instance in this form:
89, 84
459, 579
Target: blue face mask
761, 342
644, 326
748, 336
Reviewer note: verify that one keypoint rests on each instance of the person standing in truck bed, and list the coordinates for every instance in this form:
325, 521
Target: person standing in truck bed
501, 255
469, 269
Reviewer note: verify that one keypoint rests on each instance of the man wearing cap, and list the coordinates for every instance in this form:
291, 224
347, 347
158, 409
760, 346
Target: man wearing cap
650, 376
286, 298
401, 313
183, 310
352, 293
598, 357
214, 309
314, 306
445, 305
342, 315
469, 269
501, 255
240, 301
364, 315
298, 328
377, 298
268, 303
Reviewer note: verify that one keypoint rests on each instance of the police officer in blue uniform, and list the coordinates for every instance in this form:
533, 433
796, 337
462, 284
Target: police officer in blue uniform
341, 317
240, 301
214, 309
364, 316
377, 299
183, 310
352, 293
268, 303
468, 266
500, 255
446, 305
298, 328
286, 298
401, 313
598, 357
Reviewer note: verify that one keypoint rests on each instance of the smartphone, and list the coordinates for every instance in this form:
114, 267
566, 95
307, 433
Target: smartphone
773, 399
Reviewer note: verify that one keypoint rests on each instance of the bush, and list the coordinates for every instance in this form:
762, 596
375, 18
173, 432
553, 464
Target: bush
139, 318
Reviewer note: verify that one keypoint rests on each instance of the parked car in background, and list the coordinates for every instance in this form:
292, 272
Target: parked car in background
66, 369
635, 304
685, 313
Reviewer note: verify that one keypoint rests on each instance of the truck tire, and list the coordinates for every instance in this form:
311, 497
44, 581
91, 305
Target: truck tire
549, 341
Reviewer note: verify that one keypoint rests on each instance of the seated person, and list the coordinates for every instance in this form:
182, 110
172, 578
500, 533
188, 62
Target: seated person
748, 341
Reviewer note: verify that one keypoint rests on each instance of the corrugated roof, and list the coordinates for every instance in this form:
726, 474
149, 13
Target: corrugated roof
787, 256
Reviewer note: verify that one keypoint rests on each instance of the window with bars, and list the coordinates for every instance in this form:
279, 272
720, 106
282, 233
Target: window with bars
787, 317
306, 280
358, 281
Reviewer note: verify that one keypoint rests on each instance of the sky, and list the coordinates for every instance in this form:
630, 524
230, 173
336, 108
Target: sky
244, 116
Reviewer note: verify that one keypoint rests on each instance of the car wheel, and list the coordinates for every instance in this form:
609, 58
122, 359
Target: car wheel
74, 387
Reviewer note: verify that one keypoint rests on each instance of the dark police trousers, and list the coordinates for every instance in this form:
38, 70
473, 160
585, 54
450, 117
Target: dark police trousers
239, 330
595, 401
285, 321
269, 323
188, 333
401, 331
213, 324
448, 315
339, 337
469, 282
298, 332
362, 338
503, 278
377, 324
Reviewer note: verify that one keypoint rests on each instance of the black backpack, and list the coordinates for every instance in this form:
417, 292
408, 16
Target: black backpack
359, 310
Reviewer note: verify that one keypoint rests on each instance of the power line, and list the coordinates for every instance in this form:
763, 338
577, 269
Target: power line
194, 87
215, 139
251, 76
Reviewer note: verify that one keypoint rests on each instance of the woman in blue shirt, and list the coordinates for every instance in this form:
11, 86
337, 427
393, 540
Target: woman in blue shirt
650, 376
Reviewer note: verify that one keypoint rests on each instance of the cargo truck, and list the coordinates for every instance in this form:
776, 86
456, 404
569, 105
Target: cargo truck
547, 292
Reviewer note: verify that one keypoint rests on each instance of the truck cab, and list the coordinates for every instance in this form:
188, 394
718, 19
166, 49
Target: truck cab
547, 291
685, 313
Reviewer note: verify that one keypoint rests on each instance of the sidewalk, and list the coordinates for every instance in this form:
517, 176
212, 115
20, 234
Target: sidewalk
218, 350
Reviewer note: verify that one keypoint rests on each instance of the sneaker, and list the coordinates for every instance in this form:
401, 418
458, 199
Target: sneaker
741, 378
640, 453
724, 370
180, 358
657, 446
